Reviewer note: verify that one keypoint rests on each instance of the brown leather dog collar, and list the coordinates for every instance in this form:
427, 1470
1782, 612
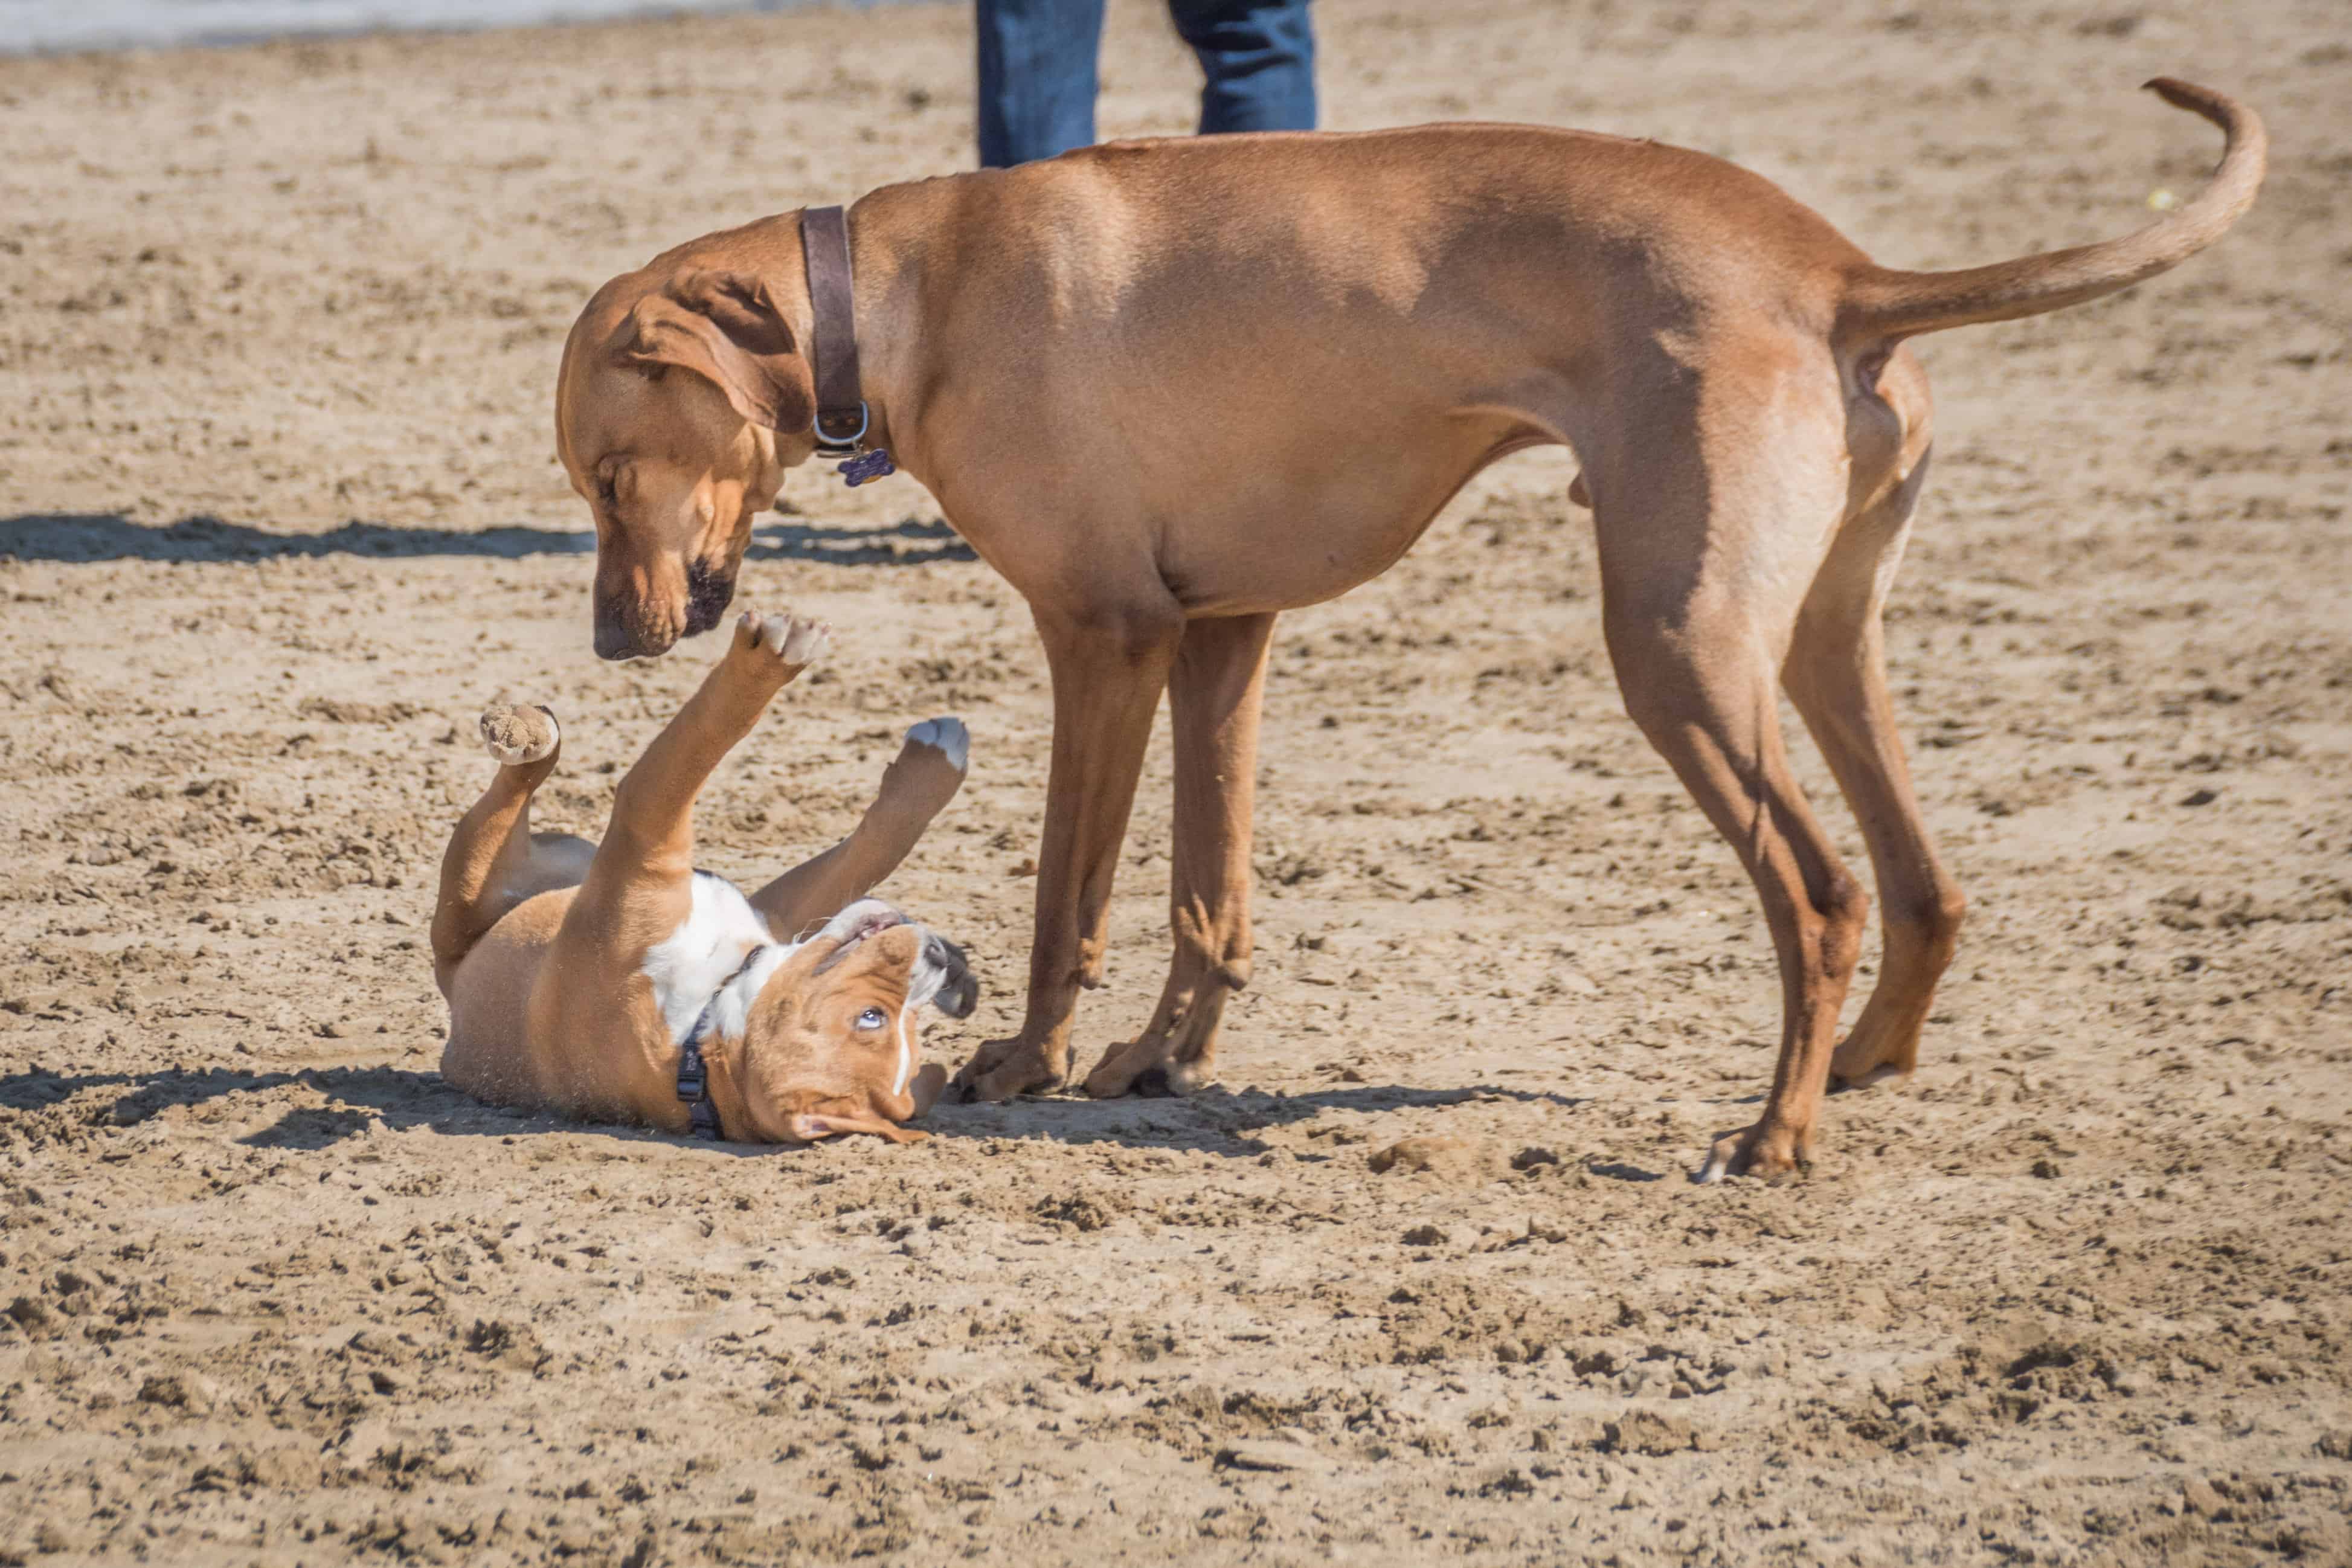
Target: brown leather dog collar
841, 418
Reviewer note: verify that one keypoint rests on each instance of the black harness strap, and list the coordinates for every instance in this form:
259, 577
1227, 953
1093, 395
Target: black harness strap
693, 1078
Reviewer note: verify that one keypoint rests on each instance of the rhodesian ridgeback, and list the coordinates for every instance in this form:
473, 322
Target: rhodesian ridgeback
1169, 389
614, 981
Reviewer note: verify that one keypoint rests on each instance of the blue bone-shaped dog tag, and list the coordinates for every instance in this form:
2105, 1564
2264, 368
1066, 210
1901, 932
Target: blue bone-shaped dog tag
874, 465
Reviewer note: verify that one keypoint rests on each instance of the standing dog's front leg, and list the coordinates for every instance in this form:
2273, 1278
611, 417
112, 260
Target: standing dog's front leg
1214, 693
1108, 671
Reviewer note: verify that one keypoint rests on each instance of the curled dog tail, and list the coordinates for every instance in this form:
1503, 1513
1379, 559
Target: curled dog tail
1886, 306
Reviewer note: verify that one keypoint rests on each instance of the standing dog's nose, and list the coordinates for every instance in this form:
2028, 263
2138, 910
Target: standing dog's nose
613, 640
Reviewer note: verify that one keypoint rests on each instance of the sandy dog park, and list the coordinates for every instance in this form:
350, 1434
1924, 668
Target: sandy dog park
1423, 1279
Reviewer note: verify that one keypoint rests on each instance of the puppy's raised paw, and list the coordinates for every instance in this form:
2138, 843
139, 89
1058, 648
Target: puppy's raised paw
948, 736
927, 771
516, 736
794, 641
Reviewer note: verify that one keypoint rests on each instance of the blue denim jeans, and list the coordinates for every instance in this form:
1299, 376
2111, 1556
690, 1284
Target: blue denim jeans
1037, 61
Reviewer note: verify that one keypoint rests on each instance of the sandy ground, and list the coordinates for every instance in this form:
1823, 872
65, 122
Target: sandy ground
278, 515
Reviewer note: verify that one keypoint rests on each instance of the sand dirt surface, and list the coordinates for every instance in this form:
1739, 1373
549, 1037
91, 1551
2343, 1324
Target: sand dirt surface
279, 516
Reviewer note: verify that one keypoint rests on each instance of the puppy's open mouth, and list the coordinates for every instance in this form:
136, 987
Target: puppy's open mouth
942, 975
862, 922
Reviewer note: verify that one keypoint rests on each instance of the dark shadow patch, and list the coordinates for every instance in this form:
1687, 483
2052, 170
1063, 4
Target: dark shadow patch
82, 537
313, 1126
85, 538
1215, 1121
1618, 1171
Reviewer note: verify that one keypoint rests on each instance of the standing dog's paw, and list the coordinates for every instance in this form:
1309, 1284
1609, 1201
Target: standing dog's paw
518, 736
793, 641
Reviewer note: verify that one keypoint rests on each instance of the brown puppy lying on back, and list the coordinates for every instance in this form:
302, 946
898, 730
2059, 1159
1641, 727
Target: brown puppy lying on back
615, 982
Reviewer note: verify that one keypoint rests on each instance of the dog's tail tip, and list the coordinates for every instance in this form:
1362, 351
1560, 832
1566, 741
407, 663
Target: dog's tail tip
2187, 95
1885, 305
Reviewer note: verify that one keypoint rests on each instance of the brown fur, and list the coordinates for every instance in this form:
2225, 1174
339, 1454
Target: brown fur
541, 941
1169, 389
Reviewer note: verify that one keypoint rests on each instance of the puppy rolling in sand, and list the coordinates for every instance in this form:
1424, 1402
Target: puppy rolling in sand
615, 982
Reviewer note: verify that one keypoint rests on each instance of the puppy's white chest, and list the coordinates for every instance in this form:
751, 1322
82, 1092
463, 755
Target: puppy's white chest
689, 966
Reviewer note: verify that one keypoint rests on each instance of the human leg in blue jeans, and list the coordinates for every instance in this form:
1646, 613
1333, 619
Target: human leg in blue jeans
1036, 78
1037, 71
1259, 55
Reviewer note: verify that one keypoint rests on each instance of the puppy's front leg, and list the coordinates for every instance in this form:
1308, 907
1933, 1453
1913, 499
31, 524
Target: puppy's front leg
925, 777
642, 869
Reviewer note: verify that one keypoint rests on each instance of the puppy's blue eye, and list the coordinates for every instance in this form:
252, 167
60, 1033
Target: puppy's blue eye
870, 1019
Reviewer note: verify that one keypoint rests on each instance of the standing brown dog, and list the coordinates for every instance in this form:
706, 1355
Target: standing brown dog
1169, 389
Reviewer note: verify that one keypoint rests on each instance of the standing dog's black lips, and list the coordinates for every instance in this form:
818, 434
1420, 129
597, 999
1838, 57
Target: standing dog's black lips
708, 592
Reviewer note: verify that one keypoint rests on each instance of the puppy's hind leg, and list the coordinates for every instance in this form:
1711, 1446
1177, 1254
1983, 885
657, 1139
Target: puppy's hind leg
494, 861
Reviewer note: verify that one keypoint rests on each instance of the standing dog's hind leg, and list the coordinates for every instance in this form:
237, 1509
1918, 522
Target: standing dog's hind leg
1701, 577
1836, 675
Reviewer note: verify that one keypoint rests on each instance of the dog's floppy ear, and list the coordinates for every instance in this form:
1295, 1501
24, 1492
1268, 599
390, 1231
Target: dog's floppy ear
725, 327
808, 1127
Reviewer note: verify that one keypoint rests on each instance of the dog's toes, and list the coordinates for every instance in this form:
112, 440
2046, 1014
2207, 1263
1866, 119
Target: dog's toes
946, 736
798, 640
515, 736
1003, 1068
1150, 1069
795, 641
1751, 1152
1721, 1157
1865, 1059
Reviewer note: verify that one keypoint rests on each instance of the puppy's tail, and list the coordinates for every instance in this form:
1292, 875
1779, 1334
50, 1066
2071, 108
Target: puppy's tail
1884, 306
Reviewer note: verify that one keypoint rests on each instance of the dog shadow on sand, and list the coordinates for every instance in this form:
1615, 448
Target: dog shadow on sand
1215, 1121
81, 538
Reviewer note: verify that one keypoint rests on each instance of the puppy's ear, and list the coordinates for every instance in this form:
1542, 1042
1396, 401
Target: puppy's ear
725, 327
808, 1127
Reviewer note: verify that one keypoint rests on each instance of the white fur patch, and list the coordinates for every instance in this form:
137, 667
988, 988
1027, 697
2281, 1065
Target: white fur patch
949, 735
905, 1051
692, 962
